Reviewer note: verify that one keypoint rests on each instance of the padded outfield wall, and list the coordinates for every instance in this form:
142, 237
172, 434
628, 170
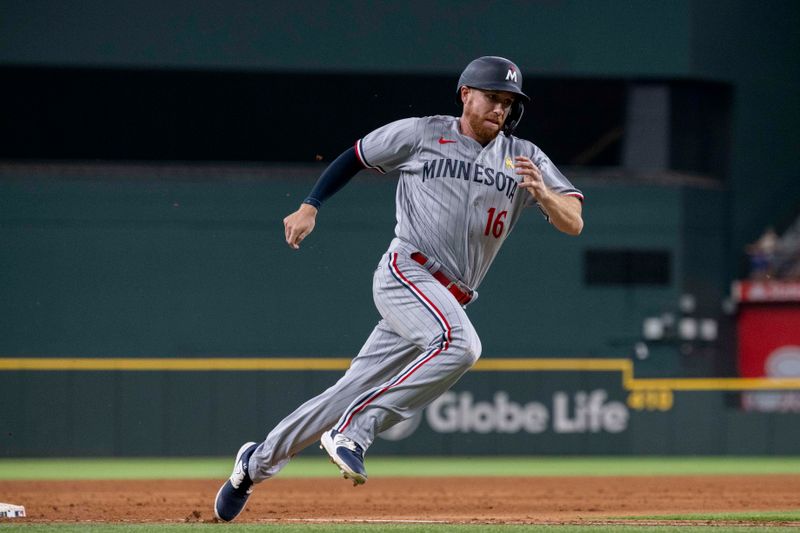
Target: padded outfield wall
136, 270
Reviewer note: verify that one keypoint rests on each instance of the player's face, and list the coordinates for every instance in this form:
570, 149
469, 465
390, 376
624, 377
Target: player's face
485, 112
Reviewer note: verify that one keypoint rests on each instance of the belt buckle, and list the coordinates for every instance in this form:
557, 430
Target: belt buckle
466, 294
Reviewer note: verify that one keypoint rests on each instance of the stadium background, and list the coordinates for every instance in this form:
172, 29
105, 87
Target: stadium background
149, 154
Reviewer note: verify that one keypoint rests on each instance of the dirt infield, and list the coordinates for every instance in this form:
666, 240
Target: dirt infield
458, 500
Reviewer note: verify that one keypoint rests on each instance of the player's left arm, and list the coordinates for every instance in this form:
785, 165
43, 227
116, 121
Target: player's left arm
563, 211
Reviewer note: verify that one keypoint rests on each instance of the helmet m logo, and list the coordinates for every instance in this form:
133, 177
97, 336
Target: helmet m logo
511, 74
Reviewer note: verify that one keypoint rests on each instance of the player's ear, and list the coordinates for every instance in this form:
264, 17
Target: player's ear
464, 92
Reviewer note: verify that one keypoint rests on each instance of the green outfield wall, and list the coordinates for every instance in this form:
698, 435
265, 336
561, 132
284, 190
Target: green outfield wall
144, 266
487, 413
139, 266
754, 48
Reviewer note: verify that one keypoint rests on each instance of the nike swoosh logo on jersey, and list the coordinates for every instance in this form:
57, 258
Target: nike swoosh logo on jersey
442, 140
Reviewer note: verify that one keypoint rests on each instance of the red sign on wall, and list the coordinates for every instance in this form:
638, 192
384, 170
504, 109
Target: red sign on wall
764, 330
768, 331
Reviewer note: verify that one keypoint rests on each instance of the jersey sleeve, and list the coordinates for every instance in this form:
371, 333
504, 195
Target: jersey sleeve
390, 146
552, 177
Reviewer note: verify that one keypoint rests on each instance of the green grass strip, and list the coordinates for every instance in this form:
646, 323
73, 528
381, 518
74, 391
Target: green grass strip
749, 516
201, 468
375, 528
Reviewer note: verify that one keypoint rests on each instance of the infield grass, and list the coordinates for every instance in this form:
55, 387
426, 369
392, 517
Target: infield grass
302, 467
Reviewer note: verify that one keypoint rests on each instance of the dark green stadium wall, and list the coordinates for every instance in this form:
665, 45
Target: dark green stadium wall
562, 36
172, 267
754, 47
757, 49
115, 261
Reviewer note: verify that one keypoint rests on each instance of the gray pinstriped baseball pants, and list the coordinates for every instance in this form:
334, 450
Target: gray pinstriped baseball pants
422, 346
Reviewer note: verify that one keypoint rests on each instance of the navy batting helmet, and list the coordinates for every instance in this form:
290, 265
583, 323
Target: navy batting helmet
493, 73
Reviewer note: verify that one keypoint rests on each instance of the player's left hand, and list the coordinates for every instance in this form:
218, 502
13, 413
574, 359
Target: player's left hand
532, 179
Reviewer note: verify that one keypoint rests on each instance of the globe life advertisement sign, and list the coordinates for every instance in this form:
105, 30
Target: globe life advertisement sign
562, 413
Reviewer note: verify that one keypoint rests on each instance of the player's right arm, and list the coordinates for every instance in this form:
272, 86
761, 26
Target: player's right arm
384, 149
301, 223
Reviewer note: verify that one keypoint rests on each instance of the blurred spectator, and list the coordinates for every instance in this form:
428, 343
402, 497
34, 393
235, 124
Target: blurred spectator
776, 257
762, 255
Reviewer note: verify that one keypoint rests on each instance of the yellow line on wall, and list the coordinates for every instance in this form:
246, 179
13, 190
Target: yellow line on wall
589, 365
715, 384
193, 364
623, 366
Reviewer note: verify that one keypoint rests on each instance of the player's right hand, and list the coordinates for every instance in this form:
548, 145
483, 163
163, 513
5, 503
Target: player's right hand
299, 225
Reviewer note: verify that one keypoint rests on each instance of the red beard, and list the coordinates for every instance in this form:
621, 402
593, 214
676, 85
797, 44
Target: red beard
485, 131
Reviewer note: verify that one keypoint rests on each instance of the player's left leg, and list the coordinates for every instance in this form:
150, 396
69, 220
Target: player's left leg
382, 355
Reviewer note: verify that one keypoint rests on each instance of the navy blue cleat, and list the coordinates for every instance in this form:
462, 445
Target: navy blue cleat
345, 454
233, 495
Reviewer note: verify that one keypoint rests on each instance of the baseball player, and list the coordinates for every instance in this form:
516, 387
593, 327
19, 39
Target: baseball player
464, 182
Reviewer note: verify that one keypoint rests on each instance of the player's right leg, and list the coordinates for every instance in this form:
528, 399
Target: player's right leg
420, 309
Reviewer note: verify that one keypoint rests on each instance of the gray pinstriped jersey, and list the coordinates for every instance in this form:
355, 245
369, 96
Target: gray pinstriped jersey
457, 201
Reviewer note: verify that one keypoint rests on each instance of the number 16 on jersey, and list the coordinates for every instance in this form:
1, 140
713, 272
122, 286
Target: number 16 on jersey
495, 225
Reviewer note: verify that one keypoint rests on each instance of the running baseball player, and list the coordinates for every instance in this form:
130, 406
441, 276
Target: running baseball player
464, 182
